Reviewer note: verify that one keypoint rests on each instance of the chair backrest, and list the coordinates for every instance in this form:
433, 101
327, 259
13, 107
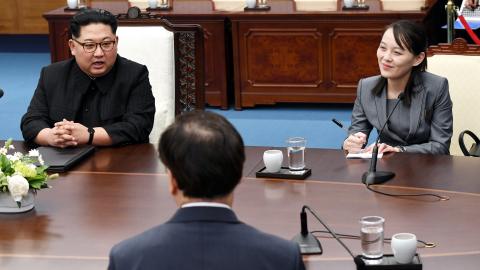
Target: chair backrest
174, 56
459, 62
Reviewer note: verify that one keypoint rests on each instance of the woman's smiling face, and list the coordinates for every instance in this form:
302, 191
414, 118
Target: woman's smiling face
394, 62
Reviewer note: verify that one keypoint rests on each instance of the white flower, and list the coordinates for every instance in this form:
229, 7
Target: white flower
11, 147
13, 158
34, 153
3, 151
18, 155
18, 187
40, 160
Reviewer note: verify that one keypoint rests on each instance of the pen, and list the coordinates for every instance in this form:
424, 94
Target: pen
339, 124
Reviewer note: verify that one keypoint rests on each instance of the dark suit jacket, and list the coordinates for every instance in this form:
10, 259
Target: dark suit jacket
126, 103
431, 120
205, 238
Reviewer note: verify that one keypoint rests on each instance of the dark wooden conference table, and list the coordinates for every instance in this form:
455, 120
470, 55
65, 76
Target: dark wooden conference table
120, 192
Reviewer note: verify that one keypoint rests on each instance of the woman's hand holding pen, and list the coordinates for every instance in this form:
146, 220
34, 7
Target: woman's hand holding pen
355, 142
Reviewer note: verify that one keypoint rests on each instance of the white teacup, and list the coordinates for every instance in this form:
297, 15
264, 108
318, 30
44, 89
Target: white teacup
72, 3
273, 160
152, 3
251, 3
404, 247
348, 3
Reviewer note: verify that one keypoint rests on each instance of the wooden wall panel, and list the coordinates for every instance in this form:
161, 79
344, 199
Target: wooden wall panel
29, 12
277, 58
25, 16
353, 56
8, 21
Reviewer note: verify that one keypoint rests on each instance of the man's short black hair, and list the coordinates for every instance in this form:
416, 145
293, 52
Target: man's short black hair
205, 154
87, 16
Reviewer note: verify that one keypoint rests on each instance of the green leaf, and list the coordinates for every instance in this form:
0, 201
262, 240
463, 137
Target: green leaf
8, 143
41, 169
36, 184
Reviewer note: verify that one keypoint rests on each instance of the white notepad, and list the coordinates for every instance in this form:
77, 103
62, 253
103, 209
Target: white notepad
365, 155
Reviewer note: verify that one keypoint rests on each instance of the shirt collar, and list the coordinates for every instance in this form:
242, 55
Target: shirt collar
205, 204
103, 83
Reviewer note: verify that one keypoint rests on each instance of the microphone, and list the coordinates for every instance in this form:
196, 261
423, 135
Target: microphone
372, 177
357, 259
1, 93
308, 243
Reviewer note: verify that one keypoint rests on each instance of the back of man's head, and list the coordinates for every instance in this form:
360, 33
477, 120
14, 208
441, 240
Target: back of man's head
88, 16
204, 153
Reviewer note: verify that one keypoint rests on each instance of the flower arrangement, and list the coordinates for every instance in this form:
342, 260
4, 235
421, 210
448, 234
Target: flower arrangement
19, 172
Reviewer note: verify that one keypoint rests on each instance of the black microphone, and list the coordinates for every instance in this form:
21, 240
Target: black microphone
308, 243
357, 259
372, 177
1, 93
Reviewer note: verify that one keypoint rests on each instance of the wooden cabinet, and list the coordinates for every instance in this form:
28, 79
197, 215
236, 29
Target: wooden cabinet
286, 55
282, 55
301, 61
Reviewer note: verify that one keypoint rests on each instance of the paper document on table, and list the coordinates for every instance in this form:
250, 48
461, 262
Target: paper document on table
364, 155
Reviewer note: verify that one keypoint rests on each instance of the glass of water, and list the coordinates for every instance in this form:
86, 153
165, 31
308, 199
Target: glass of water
262, 3
82, 4
296, 153
371, 235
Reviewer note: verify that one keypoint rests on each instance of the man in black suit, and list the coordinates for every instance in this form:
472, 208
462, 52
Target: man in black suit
97, 97
204, 156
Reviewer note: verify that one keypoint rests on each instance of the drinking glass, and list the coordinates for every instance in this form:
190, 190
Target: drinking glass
262, 3
164, 3
82, 3
296, 153
371, 235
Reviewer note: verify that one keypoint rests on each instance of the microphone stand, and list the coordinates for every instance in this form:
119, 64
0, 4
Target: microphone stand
372, 177
308, 243
357, 259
